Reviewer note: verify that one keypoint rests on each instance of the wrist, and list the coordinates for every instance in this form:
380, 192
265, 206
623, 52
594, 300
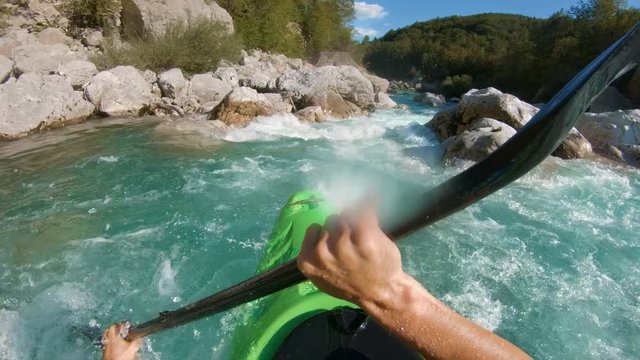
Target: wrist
397, 294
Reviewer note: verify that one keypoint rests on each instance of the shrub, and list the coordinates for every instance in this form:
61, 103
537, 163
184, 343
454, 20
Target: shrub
456, 85
98, 14
195, 48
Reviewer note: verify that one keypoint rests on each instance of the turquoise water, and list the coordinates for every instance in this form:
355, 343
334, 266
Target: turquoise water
118, 220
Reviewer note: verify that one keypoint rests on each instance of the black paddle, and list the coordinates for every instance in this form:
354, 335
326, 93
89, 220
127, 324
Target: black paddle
524, 151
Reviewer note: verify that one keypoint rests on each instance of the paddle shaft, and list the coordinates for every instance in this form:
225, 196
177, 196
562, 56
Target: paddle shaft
524, 151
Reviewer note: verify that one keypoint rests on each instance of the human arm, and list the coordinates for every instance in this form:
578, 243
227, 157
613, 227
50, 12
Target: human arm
354, 260
115, 347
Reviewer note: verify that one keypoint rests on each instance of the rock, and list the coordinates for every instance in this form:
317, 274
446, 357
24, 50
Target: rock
208, 91
312, 114
241, 106
609, 132
92, 38
633, 88
228, 75
42, 59
478, 104
51, 36
574, 146
6, 68
37, 102
610, 100
380, 85
631, 154
334, 58
192, 131
279, 103
342, 91
481, 139
430, 99
173, 84
77, 73
150, 77
139, 16
383, 101
120, 91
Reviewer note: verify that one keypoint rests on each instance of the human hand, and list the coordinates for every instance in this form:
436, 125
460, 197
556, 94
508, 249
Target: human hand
352, 259
115, 347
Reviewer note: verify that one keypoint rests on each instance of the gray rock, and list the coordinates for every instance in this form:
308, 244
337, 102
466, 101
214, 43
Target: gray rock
6, 68
481, 139
140, 16
341, 91
311, 114
37, 102
380, 85
609, 132
280, 104
610, 100
93, 38
631, 154
241, 106
173, 84
228, 75
430, 99
51, 36
383, 101
42, 59
574, 146
77, 73
120, 91
208, 91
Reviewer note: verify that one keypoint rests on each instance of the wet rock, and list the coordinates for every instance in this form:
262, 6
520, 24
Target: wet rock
430, 99
51, 36
173, 84
6, 68
383, 101
241, 106
140, 16
120, 91
37, 102
311, 114
341, 91
481, 139
77, 72
610, 100
42, 59
208, 91
574, 146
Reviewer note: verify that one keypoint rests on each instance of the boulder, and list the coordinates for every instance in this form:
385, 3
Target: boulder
610, 100
312, 114
478, 104
140, 16
120, 91
380, 85
42, 59
481, 139
430, 99
6, 68
383, 101
228, 75
173, 84
609, 132
51, 36
574, 146
37, 102
280, 104
92, 38
77, 72
208, 91
241, 106
341, 91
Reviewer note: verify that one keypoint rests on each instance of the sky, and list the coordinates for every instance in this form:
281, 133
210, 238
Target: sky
376, 17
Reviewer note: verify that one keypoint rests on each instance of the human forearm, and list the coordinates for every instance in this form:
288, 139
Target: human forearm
412, 314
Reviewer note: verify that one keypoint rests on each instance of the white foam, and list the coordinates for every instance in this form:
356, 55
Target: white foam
108, 159
475, 302
166, 278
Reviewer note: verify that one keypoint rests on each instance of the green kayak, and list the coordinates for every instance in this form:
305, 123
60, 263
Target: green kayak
273, 318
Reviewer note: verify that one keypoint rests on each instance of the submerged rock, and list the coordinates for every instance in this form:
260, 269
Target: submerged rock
241, 106
481, 139
37, 102
120, 91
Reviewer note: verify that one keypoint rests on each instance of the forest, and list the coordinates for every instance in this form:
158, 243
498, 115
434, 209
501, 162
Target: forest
531, 58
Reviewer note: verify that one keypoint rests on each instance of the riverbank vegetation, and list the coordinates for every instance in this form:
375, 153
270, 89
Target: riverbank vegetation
528, 57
